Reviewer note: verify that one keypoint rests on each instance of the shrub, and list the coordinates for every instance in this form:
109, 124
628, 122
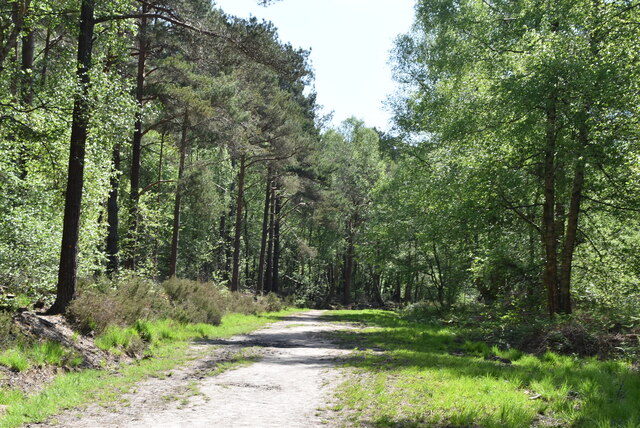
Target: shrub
140, 302
272, 303
120, 303
195, 302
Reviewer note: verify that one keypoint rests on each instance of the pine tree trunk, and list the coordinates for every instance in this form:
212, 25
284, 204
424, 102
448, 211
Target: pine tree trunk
268, 276
275, 286
175, 239
67, 273
235, 275
112, 216
136, 144
265, 233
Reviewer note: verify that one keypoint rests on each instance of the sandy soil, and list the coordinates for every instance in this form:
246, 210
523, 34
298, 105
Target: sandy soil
287, 387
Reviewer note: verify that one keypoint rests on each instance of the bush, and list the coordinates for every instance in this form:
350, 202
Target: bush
271, 303
195, 302
136, 302
121, 303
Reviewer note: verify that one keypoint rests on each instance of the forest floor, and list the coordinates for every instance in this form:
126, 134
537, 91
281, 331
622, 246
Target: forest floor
283, 376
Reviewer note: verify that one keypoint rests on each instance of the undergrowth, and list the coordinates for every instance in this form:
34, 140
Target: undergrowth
123, 302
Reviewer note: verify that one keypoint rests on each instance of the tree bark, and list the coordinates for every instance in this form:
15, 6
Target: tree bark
265, 233
235, 274
268, 281
175, 239
136, 142
67, 273
112, 216
564, 286
275, 286
28, 46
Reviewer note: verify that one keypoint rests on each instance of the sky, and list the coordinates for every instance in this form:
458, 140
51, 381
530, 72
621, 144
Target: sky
350, 43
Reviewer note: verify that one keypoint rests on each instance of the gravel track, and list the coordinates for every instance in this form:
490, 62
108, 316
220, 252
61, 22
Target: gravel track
288, 386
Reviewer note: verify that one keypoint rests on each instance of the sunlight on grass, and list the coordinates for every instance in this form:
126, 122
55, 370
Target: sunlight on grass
427, 376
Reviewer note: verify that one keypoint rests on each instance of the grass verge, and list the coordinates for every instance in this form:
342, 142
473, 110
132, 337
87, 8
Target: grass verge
169, 348
415, 374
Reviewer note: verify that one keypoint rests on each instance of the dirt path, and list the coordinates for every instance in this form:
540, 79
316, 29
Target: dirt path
286, 387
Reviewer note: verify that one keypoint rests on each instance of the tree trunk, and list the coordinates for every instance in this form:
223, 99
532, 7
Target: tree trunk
348, 270
564, 286
275, 286
549, 235
136, 143
268, 281
265, 232
112, 216
18, 14
235, 275
376, 282
67, 273
175, 239
26, 87
45, 58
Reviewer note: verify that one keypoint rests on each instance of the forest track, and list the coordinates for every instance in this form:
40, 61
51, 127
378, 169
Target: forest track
288, 386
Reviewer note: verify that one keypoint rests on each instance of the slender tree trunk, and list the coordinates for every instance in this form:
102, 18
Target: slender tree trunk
67, 273
112, 216
156, 247
268, 281
235, 275
136, 143
175, 239
564, 286
265, 233
376, 282
224, 231
550, 238
28, 46
45, 57
247, 244
348, 269
276, 244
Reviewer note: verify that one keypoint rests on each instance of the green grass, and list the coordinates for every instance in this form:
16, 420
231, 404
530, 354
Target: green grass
418, 381
23, 357
169, 349
15, 359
